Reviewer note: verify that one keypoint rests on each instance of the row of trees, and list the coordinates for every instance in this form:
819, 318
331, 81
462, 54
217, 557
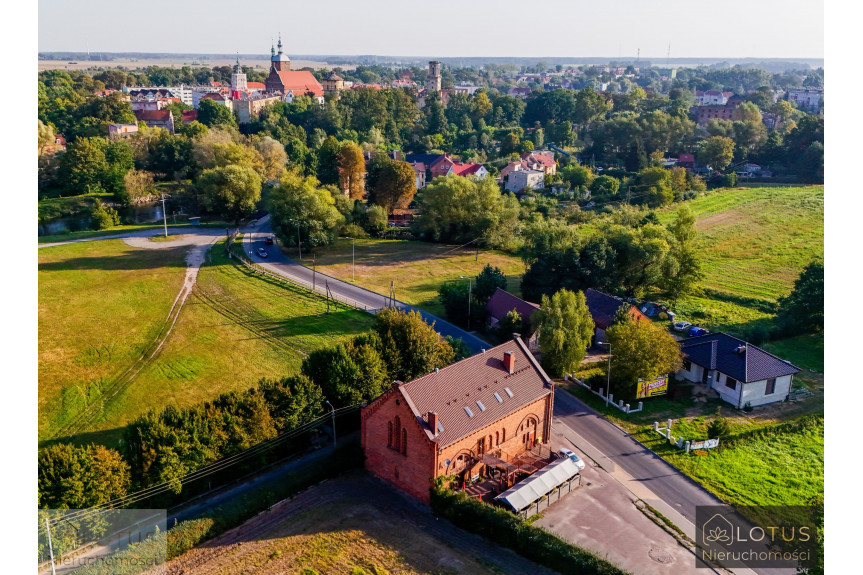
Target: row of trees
162, 446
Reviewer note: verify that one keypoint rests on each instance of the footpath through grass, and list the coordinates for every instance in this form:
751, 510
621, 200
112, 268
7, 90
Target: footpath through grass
417, 268
235, 328
100, 304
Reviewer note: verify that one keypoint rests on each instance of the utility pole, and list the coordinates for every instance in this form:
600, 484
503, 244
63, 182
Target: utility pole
608, 378
164, 215
50, 547
469, 282
333, 416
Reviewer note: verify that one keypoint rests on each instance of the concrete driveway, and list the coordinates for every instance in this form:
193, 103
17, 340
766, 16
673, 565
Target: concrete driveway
601, 515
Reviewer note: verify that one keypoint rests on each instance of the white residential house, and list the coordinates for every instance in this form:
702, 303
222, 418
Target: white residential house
741, 373
521, 179
811, 99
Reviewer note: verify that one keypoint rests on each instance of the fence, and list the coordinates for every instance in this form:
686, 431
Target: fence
309, 286
624, 407
681, 443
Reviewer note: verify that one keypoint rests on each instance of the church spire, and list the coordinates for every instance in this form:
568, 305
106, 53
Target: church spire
280, 43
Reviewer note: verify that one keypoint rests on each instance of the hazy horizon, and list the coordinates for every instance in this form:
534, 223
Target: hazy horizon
616, 29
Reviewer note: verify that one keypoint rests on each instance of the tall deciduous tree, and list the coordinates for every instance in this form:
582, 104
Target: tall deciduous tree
565, 328
300, 202
328, 161
803, 309
231, 191
410, 347
717, 152
683, 266
212, 113
487, 281
395, 185
352, 170
640, 350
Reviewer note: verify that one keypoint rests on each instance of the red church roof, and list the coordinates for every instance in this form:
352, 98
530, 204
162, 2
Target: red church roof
300, 81
255, 85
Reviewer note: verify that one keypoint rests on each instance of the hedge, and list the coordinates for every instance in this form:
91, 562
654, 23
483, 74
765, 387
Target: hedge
510, 531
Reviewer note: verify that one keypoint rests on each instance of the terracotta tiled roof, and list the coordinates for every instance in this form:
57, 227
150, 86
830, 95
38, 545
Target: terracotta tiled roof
189, 116
481, 378
256, 85
162, 115
300, 81
465, 169
502, 302
544, 158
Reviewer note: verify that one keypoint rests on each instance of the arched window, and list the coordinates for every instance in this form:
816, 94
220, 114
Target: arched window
404, 441
496, 438
397, 436
503, 435
389, 434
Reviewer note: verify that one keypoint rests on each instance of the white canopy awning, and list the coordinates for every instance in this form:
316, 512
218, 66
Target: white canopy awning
525, 493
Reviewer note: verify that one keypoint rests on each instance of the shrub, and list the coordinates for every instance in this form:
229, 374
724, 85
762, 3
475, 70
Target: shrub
510, 531
103, 217
354, 231
719, 426
729, 180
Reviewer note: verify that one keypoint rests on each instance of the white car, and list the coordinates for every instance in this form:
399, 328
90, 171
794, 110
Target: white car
262, 252
568, 453
681, 325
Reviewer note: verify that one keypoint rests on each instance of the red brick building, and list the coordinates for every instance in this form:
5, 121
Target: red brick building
485, 409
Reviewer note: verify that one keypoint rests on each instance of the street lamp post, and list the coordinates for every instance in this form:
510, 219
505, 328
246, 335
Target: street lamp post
608, 373
333, 415
469, 283
353, 258
299, 245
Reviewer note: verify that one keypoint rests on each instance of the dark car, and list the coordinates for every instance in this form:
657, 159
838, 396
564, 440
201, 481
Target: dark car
262, 252
696, 331
269, 241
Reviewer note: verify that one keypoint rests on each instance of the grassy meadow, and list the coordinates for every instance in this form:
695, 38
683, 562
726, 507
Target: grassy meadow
417, 268
235, 328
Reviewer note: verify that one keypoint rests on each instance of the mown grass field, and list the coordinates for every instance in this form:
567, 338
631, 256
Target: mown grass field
753, 242
417, 268
100, 303
234, 329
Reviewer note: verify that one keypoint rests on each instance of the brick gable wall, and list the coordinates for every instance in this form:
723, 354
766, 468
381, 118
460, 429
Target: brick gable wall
411, 472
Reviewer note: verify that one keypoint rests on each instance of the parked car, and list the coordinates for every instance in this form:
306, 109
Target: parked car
262, 252
696, 331
269, 241
681, 326
569, 454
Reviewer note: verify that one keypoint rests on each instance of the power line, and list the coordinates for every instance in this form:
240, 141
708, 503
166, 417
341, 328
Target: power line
210, 469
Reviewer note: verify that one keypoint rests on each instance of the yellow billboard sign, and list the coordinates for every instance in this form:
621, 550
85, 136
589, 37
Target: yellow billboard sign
652, 388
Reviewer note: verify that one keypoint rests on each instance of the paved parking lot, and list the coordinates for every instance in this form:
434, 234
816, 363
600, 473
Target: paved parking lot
601, 516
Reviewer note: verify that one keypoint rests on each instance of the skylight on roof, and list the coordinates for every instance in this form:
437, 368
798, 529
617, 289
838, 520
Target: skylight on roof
440, 427
498, 397
468, 411
508, 391
481, 406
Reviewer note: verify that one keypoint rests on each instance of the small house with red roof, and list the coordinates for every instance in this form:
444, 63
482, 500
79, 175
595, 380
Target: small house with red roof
468, 170
479, 416
156, 118
540, 160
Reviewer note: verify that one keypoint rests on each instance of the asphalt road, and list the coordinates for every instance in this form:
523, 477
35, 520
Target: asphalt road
278, 263
668, 484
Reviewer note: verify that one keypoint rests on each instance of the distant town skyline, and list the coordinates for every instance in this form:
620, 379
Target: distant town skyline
447, 28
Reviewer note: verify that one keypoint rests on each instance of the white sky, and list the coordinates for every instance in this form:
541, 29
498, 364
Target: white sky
441, 28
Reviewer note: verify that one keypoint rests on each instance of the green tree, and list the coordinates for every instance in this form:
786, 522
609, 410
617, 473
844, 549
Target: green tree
352, 170
683, 265
640, 350
604, 186
139, 186
103, 217
299, 201
230, 191
458, 210
803, 309
511, 323
377, 219
328, 161
718, 426
83, 166
487, 281
654, 187
565, 328
46, 136
454, 295
72, 477
410, 347
211, 114
716, 152
348, 373
292, 401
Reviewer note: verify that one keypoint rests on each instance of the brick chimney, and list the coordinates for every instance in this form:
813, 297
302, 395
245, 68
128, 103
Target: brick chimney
509, 361
432, 421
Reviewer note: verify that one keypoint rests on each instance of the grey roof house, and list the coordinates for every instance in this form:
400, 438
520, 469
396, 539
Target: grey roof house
741, 373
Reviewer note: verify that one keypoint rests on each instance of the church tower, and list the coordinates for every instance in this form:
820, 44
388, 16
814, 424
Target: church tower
279, 60
433, 80
238, 80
